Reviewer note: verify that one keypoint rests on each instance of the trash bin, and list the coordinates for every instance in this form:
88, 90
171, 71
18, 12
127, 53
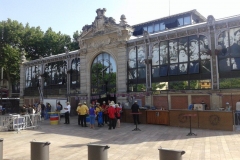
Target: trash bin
97, 152
165, 154
39, 150
1, 149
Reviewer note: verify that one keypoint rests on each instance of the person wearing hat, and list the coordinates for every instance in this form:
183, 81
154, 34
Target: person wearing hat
105, 112
67, 113
82, 112
135, 109
228, 107
111, 115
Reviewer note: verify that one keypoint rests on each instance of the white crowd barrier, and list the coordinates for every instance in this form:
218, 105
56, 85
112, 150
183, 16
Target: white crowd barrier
19, 122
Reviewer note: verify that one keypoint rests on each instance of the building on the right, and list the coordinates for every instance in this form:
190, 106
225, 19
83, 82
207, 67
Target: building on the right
195, 57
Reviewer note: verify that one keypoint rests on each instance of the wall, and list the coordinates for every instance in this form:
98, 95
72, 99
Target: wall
179, 102
199, 98
160, 102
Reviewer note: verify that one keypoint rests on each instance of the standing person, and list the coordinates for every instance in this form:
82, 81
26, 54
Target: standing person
135, 109
228, 107
83, 111
47, 109
92, 114
58, 109
67, 113
111, 114
78, 111
105, 112
39, 109
30, 109
118, 114
99, 115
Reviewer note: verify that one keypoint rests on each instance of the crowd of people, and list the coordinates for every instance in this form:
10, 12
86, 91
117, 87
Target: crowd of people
105, 114
37, 108
99, 115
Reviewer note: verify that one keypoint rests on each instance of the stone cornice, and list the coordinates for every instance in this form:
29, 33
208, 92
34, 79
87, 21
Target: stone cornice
53, 58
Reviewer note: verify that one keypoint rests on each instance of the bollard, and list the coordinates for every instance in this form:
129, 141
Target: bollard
165, 154
97, 152
1, 149
39, 150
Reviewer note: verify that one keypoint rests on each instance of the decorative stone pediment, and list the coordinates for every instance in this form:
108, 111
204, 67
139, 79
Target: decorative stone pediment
104, 31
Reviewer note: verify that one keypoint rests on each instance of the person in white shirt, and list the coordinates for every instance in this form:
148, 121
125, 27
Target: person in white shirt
67, 113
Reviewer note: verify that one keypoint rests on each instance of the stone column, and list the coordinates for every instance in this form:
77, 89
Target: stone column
84, 87
22, 78
121, 82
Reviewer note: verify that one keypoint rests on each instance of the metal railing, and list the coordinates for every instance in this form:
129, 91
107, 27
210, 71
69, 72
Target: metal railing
19, 122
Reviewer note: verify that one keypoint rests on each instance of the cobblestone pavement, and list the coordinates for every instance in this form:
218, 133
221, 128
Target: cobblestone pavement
69, 142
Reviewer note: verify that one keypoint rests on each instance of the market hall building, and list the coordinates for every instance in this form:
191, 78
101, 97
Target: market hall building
167, 63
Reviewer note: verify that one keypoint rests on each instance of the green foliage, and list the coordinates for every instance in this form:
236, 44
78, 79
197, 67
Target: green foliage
178, 85
100, 77
10, 62
194, 84
16, 37
141, 87
230, 83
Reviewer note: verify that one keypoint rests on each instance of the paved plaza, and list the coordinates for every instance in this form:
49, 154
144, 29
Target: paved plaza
69, 142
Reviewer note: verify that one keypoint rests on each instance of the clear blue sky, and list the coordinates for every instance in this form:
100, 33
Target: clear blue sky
67, 16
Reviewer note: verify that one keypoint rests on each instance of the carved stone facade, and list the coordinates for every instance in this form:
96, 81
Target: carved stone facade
104, 35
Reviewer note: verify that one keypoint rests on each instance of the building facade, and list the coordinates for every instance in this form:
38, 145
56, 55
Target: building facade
167, 63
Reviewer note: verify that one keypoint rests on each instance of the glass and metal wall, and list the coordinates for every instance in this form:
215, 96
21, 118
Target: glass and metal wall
75, 73
32, 74
182, 63
137, 69
55, 73
229, 58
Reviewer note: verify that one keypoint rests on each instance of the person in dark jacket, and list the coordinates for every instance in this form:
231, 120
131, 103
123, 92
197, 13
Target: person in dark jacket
135, 109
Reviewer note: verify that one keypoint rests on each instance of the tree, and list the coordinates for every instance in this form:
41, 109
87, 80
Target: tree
10, 45
178, 85
15, 37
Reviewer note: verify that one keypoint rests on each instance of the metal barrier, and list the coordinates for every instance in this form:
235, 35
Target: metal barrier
32, 120
6, 123
19, 122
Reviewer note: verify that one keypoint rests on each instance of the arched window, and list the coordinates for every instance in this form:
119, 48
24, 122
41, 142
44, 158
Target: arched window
103, 75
